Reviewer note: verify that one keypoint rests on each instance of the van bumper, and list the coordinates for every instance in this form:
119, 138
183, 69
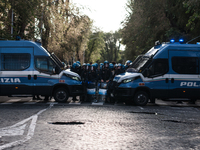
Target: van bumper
76, 90
124, 92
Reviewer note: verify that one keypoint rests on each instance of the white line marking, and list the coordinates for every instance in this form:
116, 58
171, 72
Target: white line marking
6, 103
13, 131
52, 103
30, 103
18, 127
140, 107
75, 103
161, 103
99, 103
10, 101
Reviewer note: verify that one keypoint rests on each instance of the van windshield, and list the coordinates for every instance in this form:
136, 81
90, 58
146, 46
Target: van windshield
57, 60
151, 52
142, 60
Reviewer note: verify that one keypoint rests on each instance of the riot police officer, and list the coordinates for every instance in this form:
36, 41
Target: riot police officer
92, 76
77, 69
127, 64
119, 69
106, 76
84, 73
84, 78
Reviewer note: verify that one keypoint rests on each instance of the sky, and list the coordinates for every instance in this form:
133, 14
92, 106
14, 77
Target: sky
106, 14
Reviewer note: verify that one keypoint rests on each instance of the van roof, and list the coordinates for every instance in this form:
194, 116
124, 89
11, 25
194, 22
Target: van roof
162, 51
38, 49
18, 43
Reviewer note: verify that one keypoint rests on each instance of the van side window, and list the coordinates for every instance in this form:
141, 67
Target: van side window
15, 62
158, 68
185, 65
44, 64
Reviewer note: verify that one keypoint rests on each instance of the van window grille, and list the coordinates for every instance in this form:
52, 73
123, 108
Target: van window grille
14, 62
185, 65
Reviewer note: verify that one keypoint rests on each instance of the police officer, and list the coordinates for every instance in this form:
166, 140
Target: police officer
110, 83
101, 66
92, 76
119, 69
106, 76
77, 69
97, 69
84, 73
115, 68
84, 78
73, 67
78, 62
127, 64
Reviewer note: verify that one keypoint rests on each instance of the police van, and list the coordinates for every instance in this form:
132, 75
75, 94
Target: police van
169, 71
28, 69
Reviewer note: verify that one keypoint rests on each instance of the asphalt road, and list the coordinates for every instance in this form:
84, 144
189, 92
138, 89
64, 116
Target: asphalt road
164, 125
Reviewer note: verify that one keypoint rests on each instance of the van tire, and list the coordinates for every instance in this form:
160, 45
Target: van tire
61, 95
141, 98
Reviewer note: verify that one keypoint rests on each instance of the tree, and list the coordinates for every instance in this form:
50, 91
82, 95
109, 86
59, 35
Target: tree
59, 24
23, 18
111, 49
94, 45
193, 10
149, 21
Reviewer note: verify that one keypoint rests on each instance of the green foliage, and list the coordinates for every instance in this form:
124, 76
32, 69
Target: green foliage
104, 46
111, 49
23, 18
149, 21
59, 24
94, 45
193, 8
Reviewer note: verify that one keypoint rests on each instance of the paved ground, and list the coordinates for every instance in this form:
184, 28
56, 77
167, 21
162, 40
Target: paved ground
117, 127
29, 101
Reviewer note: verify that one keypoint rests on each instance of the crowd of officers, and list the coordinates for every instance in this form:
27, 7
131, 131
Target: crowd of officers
105, 72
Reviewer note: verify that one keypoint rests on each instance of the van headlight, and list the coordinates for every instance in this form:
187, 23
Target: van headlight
128, 80
73, 77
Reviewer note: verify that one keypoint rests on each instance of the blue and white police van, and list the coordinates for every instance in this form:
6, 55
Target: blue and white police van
29, 69
169, 71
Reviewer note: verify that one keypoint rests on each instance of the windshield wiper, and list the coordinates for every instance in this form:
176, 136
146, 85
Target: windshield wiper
58, 61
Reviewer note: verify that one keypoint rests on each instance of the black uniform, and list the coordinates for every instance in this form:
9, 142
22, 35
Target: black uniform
84, 78
84, 75
105, 74
92, 76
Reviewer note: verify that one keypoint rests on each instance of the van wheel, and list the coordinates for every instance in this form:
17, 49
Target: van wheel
141, 98
61, 95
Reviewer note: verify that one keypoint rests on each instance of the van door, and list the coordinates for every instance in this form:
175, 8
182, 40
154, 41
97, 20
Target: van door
45, 76
16, 71
158, 78
184, 74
